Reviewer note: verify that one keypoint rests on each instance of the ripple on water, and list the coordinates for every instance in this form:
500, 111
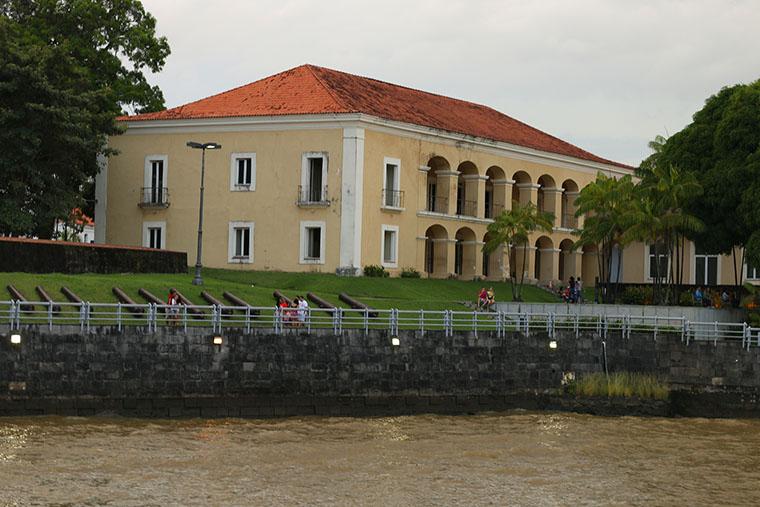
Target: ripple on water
520, 458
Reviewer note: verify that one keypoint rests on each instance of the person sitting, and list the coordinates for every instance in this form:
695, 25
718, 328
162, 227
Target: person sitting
482, 298
698, 296
490, 298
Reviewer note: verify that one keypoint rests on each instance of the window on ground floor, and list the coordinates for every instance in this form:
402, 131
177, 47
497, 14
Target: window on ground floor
390, 246
312, 242
753, 272
658, 262
240, 247
154, 235
705, 267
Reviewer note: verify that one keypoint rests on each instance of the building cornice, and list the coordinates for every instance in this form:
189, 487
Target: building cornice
360, 120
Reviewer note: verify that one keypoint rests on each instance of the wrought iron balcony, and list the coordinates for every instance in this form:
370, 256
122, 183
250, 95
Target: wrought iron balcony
494, 210
312, 195
438, 204
154, 197
393, 198
569, 221
467, 208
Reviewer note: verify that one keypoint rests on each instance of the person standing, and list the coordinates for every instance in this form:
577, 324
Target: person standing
303, 310
172, 301
579, 289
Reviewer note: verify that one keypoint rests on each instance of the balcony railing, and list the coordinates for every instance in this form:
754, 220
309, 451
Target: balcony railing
154, 197
494, 210
393, 198
316, 195
438, 204
467, 208
569, 221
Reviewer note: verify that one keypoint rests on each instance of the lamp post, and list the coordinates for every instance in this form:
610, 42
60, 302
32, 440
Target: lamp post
197, 280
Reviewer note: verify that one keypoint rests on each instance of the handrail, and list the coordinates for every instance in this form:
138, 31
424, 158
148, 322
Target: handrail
15, 314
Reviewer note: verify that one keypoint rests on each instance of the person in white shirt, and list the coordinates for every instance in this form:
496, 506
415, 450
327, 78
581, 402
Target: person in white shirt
303, 309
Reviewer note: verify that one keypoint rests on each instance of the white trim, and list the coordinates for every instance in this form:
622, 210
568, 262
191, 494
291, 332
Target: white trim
746, 273
304, 241
647, 254
693, 265
146, 226
231, 259
468, 177
351, 201
359, 120
234, 187
305, 156
147, 170
383, 229
527, 185
101, 199
423, 168
396, 184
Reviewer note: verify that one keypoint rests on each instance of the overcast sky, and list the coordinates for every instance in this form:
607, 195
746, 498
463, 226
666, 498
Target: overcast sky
606, 75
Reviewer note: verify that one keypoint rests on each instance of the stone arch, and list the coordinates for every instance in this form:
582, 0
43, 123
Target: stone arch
437, 191
436, 251
494, 199
521, 190
567, 258
569, 194
467, 189
465, 251
546, 194
543, 265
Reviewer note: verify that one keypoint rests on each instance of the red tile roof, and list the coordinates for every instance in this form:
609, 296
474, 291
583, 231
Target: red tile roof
316, 90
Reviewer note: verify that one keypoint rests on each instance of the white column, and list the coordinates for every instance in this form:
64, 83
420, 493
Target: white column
101, 199
352, 183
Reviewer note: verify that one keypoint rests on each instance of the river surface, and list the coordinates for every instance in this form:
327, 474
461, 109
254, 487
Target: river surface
520, 458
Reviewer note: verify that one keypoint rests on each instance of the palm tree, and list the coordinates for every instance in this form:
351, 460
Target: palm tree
608, 205
513, 227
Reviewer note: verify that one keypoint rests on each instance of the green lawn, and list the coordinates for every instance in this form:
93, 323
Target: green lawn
256, 288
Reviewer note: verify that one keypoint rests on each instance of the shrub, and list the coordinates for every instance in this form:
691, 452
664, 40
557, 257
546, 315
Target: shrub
375, 271
620, 384
686, 299
636, 296
409, 273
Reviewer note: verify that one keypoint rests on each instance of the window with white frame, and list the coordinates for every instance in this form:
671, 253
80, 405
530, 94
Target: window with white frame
312, 242
753, 272
389, 241
313, 178
705, 267
243, 172
154, 235
155, 179
658, 254
241, 242
392, 195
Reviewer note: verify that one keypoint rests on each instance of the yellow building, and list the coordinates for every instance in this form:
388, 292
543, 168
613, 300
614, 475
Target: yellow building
321, 170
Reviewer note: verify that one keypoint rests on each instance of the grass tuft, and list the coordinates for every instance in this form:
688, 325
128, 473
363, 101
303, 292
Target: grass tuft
622, 385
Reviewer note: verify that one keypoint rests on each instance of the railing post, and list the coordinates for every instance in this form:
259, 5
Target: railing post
655, 327
715, 335
277, 320
118, 316
247, 320
577, 326
606, 327
365, 316
82, 310
422, 322
475, 323
50, 315
527, 324
744, 335
184, 318
308, 320
498, 324
685, 330
449, 325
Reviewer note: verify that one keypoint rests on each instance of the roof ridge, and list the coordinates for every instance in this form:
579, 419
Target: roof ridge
328, 89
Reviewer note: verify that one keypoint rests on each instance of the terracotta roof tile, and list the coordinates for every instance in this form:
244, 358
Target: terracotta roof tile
317, 90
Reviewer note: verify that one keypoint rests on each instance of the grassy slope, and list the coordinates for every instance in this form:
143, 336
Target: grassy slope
256, 288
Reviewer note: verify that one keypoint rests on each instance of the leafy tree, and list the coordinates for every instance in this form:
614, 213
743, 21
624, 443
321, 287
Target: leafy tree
607, 203
67, 69
512, 228
721, 148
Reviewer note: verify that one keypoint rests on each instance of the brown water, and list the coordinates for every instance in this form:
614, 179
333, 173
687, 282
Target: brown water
515, 459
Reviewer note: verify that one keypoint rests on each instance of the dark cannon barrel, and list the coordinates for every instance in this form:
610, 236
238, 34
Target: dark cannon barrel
279, 295
70, 295
17, 296
210, 299
236, 301
356, 304
125, 299
46, 298
191, 308
325, 305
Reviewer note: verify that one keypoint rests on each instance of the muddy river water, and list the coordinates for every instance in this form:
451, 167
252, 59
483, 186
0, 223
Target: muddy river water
519, 458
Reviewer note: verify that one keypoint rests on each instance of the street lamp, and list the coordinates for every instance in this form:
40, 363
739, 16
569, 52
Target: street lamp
197, 280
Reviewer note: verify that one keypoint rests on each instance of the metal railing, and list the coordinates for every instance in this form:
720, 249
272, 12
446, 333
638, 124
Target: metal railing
438, 204
154, 197
86, 315
494, 210
569, 221
393, 198
310, 195
467, 208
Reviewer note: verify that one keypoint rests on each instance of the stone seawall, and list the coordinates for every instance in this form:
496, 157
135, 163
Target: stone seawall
170, 373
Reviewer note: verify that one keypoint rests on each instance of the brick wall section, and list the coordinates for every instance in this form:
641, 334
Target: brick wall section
170, 373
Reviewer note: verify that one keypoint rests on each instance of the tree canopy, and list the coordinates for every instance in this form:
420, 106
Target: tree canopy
721, 148
67, 69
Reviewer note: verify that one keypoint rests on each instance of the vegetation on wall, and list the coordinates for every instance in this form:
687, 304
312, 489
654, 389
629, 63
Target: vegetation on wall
67, 68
